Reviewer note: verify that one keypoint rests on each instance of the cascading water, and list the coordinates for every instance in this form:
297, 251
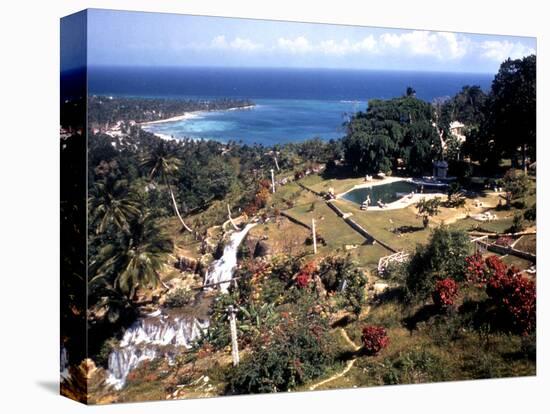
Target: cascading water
156, 335
221, 270
64, 363
159, 334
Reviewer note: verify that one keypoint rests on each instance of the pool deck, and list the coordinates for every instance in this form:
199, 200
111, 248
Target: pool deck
398, 204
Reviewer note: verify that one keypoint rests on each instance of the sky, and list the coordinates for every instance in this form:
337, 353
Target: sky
150, 39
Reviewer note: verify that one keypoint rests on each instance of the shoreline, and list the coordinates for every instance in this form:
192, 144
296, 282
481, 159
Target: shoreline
193, 114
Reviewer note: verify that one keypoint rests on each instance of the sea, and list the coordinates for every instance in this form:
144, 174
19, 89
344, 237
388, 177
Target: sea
290, 105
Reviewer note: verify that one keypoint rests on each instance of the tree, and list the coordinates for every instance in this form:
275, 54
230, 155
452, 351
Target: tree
509, 122
467, 106
340, 274
428, 208
410, 91
443, 257
516, 185
390, 131
162, 162
111, 203
134, 260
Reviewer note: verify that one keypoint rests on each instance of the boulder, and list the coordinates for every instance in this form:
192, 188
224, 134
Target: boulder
262, 249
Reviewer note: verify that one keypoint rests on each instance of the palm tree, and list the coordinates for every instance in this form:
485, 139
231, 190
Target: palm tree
134, 261
112, 204
163, 162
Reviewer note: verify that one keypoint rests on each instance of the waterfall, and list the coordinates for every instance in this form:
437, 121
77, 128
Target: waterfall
64, 363
156, 335
159, 334
221, 270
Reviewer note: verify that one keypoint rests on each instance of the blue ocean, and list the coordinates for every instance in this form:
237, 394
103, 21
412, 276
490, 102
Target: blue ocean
290, 104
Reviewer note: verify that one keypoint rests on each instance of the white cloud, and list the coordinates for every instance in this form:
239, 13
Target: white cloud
301, 44
344, 47
498, 50
443, 46
423, 43
238, 43
297, 45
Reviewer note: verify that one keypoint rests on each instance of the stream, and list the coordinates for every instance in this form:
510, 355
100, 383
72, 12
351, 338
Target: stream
160, 334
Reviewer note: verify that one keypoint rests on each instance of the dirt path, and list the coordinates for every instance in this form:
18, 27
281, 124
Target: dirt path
349, 365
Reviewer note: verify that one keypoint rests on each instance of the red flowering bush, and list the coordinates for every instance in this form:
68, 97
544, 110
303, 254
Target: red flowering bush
374, 339
513, 295
445, 293
516, 297
495, 266
479, 270
305, 276
303, 280
475, 269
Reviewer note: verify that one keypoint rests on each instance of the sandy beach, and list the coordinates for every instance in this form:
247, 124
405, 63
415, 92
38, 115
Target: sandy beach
187, 115
193, 114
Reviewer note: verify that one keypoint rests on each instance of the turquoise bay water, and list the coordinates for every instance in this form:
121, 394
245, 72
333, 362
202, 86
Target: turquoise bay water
292, 104
269, 122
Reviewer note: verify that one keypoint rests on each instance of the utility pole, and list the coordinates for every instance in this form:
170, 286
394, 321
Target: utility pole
276, 163
233, 328
273, 180
314, 236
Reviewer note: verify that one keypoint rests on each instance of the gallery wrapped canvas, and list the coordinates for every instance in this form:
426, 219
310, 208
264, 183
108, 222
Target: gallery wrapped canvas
252, 206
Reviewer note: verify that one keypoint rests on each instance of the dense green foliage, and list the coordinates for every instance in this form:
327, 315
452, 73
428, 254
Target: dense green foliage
105, 111
340, 274
295, 350
467, 106
389, 131
443, 257
509, 121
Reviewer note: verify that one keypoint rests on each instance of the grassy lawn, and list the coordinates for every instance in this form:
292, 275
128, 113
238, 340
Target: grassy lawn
339, 184
283, 237
428, 354
496, 226
291, 195
336, 231
527, 244
518, 262
384, 225
338, 234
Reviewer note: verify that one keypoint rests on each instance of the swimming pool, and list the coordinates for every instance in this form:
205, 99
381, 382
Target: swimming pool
388, 193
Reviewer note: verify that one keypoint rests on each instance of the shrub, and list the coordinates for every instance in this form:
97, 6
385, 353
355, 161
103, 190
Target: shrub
531, 213
443, 257
516, 184
305, 275
374, 339
476, 271
296, 350
445, 293
518, 223
515, 296
411, 367
179, 298
340, 274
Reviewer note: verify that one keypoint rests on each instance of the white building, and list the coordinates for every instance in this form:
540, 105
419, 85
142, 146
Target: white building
457, 130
